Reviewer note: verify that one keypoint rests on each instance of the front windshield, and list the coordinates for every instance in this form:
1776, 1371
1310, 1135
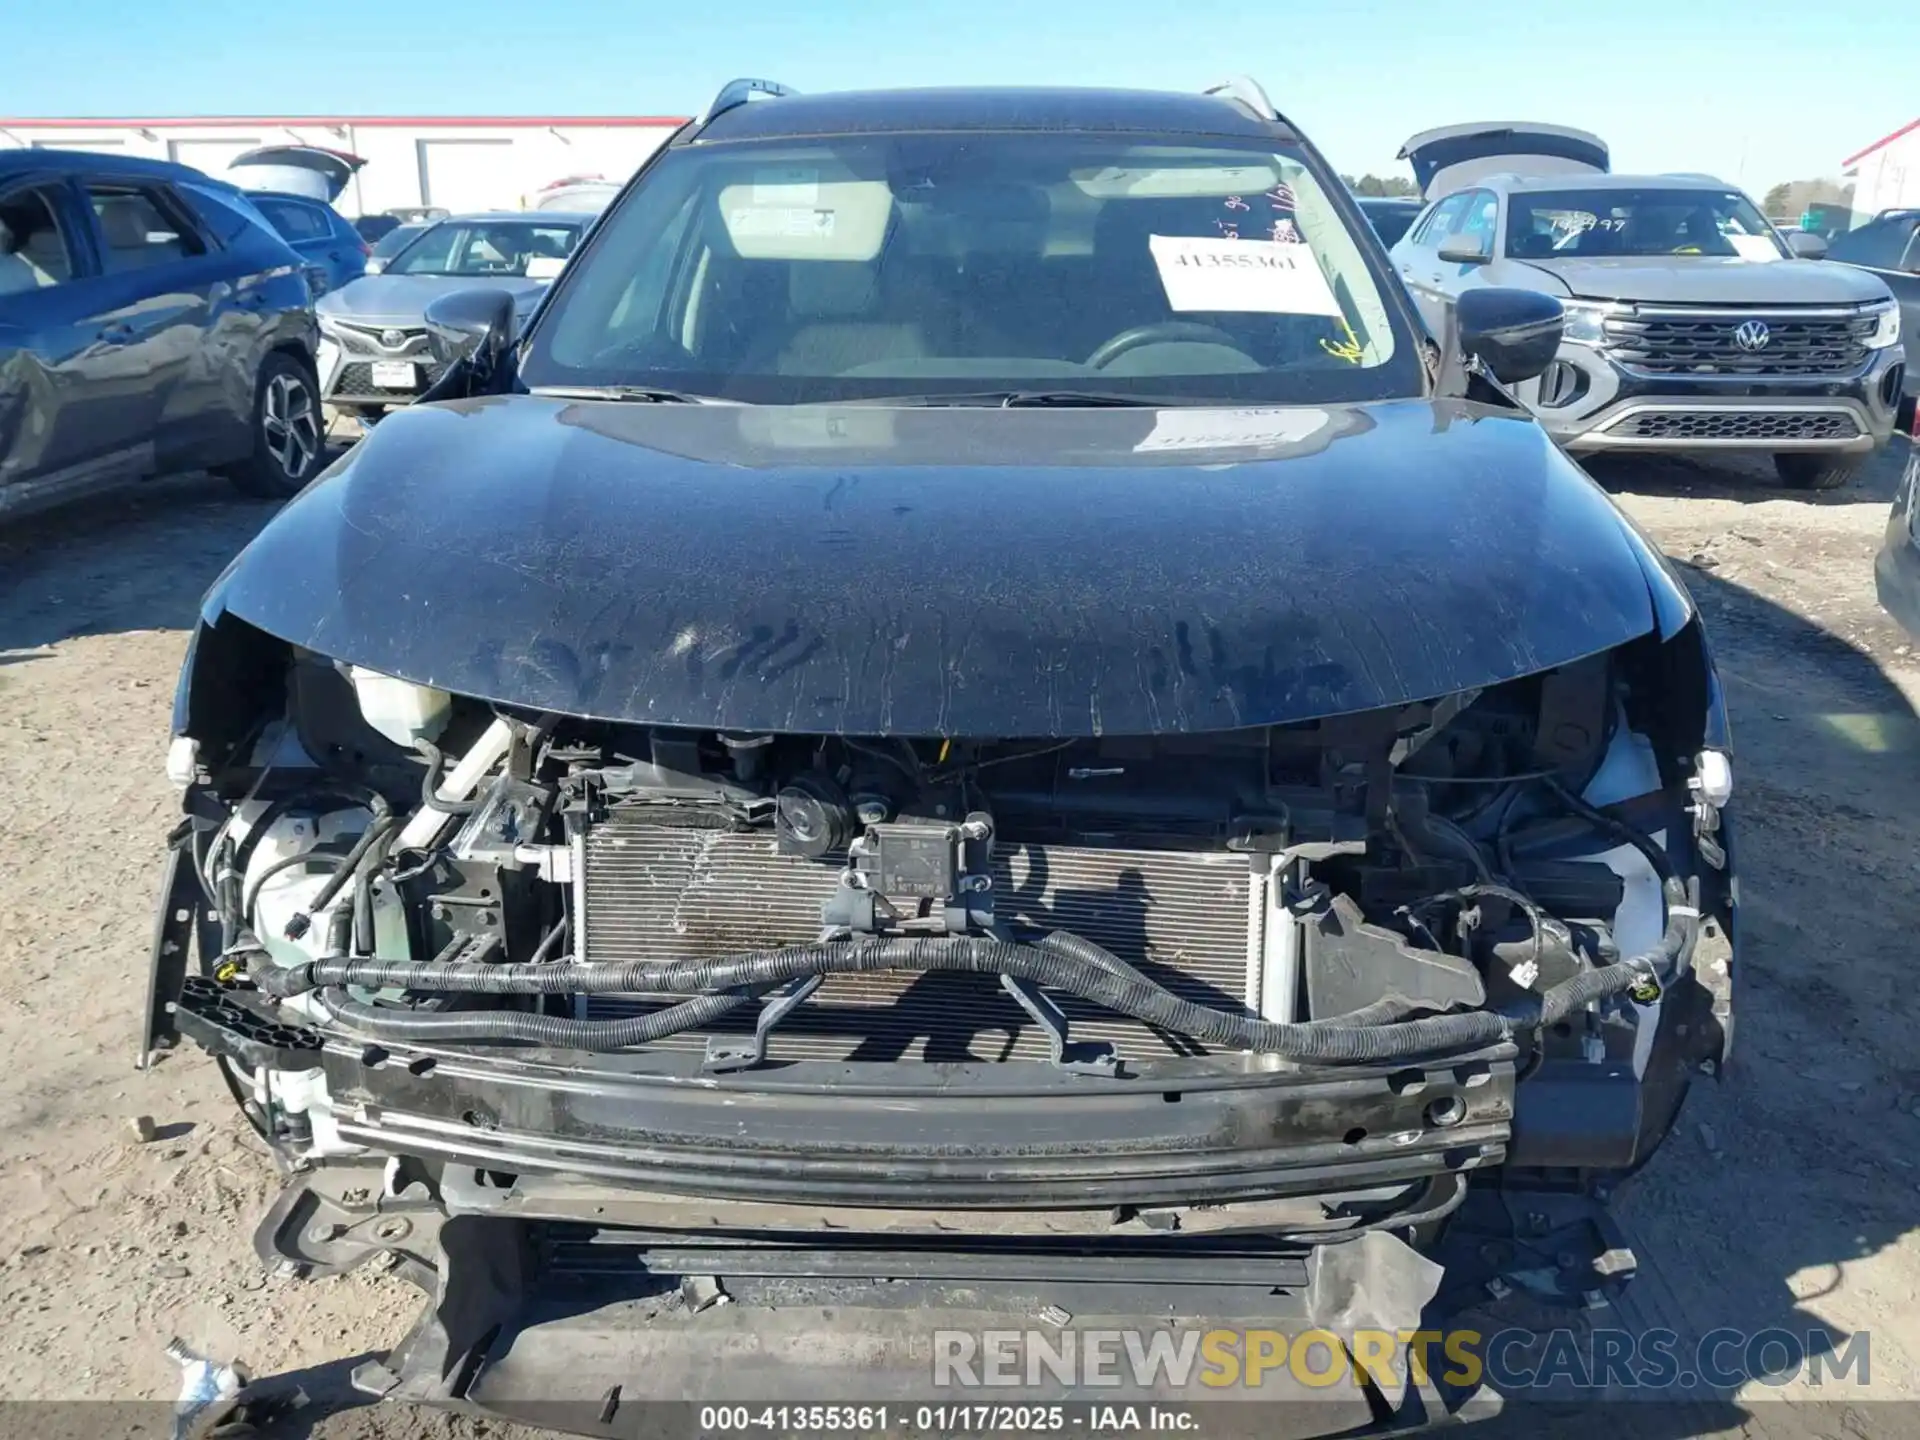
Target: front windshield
1554, 224
488, 247
395, 240
926, 265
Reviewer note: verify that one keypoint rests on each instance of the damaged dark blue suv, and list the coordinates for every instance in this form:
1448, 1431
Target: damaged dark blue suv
973, 713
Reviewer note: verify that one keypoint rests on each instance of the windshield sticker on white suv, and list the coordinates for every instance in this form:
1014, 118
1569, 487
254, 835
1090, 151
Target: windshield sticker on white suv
1754, 247
1259, 276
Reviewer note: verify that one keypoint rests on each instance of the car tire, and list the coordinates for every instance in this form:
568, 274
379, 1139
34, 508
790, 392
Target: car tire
1799, 471
289, 433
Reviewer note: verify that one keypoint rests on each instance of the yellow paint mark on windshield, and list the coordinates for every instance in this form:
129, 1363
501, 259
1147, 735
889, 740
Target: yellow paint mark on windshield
1349, 349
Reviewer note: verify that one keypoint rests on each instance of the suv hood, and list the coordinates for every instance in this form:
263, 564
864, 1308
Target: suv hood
941, 571
1457, 155
1714, 280
403, 299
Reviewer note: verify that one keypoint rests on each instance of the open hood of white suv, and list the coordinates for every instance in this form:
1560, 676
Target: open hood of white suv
1457, 155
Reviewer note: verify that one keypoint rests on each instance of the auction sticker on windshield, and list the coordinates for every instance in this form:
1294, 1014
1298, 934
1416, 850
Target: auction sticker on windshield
1264, 276
1754, 247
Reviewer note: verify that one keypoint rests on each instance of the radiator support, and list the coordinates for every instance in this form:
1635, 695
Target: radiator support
647, 893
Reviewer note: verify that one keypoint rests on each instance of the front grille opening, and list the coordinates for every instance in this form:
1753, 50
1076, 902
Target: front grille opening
1708, 426
356, 379
1793, 345
1891, 385
371, 338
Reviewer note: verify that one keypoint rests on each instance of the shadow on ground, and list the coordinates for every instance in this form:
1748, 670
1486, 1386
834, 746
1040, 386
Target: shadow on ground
137, 559
1746, 479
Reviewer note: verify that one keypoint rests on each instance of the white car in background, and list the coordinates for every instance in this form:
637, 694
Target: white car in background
1690, 322
580, 194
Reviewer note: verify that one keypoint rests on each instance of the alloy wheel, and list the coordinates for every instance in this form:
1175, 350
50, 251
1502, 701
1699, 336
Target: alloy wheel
291, 423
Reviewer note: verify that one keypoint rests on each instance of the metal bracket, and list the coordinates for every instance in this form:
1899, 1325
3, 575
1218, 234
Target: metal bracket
724, 1054
1092, 1057
173, 934
341, 1216
1560, 1247
1706, 829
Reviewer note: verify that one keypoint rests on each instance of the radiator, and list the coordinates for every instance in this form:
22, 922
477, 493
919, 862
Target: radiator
654, 894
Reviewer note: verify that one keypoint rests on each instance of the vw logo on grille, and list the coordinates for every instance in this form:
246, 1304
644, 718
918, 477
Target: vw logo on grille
394, 339
1753, 336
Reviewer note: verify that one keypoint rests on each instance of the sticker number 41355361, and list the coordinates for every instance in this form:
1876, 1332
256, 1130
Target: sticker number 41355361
1262, 276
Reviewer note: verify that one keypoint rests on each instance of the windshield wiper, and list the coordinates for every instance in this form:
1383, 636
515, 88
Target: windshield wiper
1024, 399
643, 394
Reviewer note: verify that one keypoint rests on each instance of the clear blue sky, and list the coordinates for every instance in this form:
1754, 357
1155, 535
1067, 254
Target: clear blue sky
1756, 90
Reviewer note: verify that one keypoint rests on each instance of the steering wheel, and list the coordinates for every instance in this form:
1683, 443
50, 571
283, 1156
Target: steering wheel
1159, 333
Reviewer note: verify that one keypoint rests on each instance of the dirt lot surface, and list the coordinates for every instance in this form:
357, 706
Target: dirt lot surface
1788, 1196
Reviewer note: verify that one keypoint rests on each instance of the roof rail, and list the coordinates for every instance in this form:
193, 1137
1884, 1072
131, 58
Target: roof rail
738, 92
1248, 92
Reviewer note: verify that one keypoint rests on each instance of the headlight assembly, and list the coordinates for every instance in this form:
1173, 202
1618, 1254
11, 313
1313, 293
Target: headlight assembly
1886, 332
1585, 321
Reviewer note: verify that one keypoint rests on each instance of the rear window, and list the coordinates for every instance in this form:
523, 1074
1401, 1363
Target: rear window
294, 221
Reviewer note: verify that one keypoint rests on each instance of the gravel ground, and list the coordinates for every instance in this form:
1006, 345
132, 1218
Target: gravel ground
1788, 1196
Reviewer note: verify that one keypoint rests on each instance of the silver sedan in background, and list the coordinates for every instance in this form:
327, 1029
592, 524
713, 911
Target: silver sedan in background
373, 331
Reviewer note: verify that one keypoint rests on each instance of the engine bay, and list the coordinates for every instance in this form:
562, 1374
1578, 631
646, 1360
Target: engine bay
394, 862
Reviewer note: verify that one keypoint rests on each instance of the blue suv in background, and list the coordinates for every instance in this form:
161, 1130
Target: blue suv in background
320, 235
151, 319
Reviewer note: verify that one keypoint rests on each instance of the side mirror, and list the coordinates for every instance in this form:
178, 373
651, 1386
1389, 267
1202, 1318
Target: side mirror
1514, 333
1466, 250
375, 265
474, 326
1806, 245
